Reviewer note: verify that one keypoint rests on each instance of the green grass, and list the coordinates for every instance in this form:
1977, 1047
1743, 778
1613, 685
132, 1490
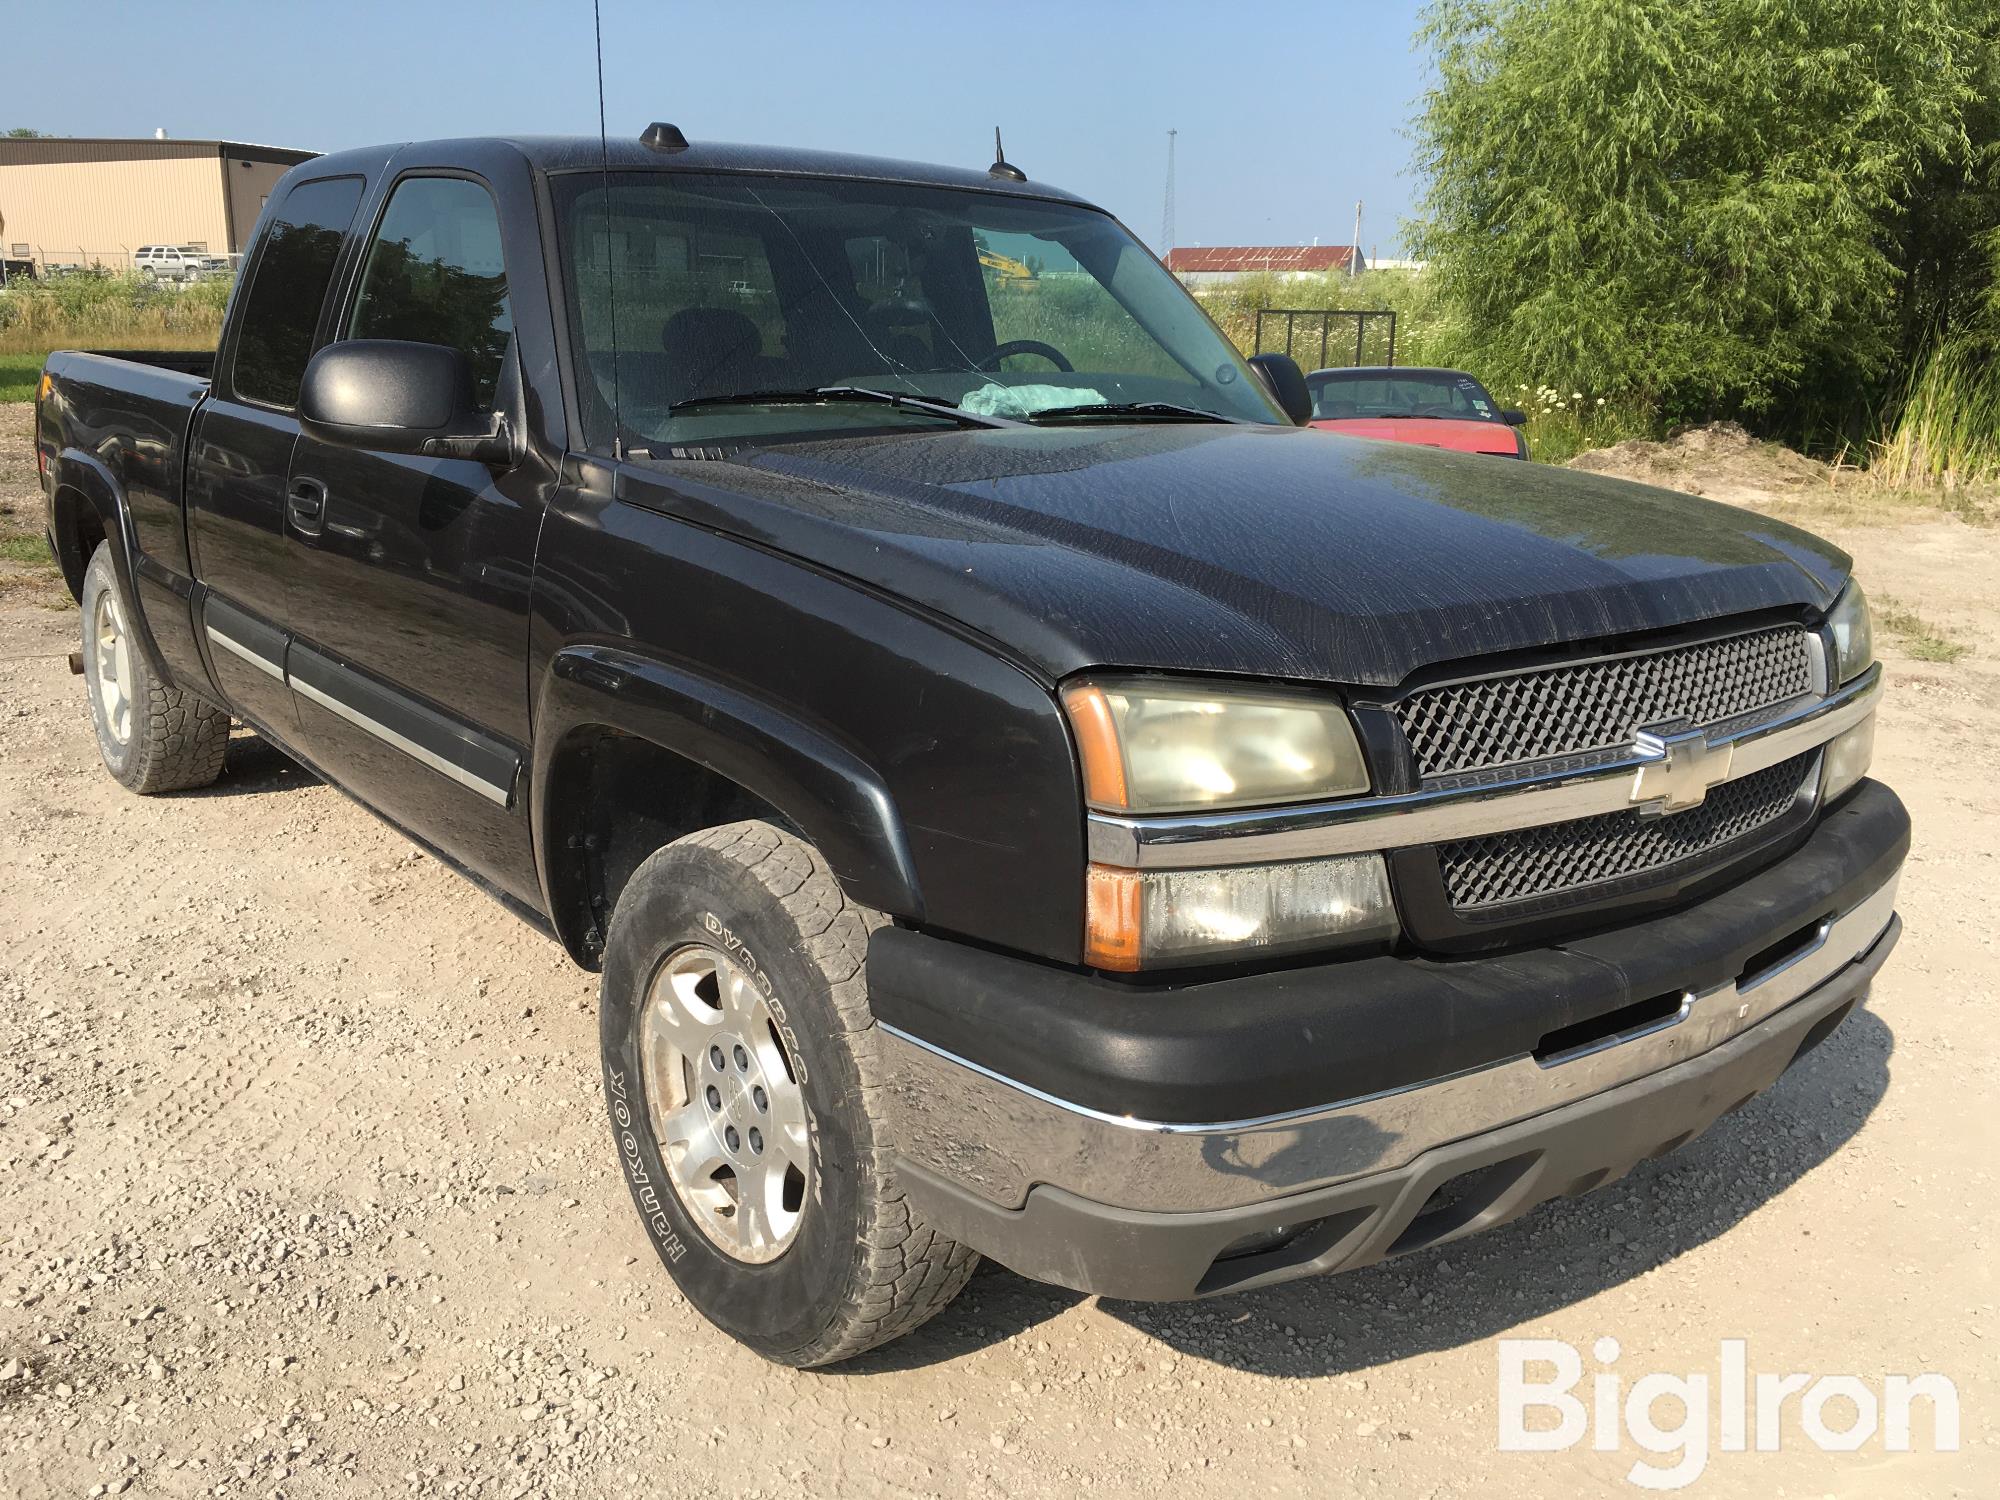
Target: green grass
100, 312
1920, 638
17, 376
26, 549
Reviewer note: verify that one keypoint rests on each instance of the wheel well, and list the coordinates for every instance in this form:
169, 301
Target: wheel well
78, 530
613, 799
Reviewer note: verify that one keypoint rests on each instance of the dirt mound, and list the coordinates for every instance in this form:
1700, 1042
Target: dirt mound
1720, 460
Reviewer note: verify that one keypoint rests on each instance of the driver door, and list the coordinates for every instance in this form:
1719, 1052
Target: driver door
410, 575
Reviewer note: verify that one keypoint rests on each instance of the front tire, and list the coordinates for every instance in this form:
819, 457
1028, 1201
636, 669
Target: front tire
740, 1062
153, 738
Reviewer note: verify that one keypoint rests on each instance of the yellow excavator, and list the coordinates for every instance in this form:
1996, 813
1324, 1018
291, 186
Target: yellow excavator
1006, 267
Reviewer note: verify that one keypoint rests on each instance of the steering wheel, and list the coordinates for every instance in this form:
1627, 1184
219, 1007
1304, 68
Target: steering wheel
1027, 346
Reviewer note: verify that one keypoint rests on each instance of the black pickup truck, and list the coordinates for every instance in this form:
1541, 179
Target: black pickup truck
1026, 796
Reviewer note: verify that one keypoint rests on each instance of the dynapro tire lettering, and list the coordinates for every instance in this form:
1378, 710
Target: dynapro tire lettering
719, 930
635, 1170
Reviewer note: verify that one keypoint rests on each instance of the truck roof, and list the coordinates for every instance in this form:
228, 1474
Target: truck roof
569, 153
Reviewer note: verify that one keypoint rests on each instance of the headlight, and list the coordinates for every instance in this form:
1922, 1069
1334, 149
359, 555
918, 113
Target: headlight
1847, 757
1853, 636
1149, 919
1155, 747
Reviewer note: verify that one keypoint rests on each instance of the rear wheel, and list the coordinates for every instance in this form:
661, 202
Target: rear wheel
153, 738
740, 1066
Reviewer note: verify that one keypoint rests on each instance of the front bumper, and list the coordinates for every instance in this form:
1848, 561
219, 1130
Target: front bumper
1125, 1205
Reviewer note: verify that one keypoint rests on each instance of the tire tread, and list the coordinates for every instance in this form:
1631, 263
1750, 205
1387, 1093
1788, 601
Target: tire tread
178, 738
908, 1271
186, 739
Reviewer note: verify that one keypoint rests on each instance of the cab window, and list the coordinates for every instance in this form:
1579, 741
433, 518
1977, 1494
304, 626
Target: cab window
288, 287
434, 275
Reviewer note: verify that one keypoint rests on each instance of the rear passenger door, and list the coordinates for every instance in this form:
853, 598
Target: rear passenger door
241, 450
409, 587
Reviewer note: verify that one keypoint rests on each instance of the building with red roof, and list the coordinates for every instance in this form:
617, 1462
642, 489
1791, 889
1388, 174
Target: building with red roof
1195, 263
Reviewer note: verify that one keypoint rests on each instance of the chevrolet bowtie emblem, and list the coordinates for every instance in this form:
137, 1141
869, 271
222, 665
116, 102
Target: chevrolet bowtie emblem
1687, 766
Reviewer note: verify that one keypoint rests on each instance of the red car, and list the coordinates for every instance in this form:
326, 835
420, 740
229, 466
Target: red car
1439, 408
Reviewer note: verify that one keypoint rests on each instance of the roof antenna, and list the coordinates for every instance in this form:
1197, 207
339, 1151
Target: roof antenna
610, 281
1003, 168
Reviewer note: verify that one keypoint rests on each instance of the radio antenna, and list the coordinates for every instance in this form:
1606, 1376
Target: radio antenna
610, 281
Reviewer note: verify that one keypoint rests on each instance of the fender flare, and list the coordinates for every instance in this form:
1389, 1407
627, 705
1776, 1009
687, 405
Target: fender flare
79, 479
839, 802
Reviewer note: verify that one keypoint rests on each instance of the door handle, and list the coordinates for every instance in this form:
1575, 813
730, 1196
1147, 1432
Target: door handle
306, 500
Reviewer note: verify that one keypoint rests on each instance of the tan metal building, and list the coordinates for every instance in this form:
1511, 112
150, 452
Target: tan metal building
83, 201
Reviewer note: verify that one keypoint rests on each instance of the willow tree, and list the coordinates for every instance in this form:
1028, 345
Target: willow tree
1692, 204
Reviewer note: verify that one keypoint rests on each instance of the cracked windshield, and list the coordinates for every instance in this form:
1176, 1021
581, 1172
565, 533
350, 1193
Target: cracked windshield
770, 308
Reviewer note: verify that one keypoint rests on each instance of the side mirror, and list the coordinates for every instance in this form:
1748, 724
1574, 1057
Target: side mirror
396, 397
1287, 382
1514, 418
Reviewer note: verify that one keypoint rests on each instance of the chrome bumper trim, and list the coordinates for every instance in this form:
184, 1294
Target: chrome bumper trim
998, 1138
1362, 824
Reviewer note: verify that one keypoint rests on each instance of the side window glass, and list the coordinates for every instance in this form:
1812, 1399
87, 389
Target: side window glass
288, 288
434, 275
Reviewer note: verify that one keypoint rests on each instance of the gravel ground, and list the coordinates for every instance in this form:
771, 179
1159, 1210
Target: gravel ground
305, 1188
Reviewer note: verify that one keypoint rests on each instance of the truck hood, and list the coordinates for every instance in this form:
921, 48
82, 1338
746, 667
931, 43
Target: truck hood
1266, 552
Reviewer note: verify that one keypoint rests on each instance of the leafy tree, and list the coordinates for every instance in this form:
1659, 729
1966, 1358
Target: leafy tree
23, 133
1702, 206
1949, 242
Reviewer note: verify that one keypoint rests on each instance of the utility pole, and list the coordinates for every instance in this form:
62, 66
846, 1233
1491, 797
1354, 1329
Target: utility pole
1354, 250
1167, 214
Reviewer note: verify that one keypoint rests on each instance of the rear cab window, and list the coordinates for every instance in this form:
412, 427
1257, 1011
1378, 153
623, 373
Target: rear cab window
288, 288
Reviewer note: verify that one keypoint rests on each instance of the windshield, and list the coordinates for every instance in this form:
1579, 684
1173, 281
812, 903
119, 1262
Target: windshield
1007, 308
1400, 393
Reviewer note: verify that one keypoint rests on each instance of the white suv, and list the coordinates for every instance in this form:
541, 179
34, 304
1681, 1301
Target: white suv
171, 262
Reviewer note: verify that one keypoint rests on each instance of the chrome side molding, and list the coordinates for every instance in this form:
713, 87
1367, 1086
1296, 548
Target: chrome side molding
236, 648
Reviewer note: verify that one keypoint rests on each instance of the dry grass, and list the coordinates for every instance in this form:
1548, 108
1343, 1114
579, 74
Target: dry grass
1858, 500
26, 569
1923, 640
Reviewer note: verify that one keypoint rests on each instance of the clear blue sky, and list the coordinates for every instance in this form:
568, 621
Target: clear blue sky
1287, 114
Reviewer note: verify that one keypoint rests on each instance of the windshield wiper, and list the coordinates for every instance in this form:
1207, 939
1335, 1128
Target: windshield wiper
931, 406
1165, 410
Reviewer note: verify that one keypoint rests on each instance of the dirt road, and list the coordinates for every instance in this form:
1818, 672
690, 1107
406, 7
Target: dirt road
305, 1189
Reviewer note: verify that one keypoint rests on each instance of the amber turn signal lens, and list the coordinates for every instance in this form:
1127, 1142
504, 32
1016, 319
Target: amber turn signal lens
1158, 919
1097, 745
1111, 936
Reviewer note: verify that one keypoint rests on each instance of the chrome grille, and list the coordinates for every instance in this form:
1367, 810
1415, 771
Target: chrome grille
1586, 706
1562, 863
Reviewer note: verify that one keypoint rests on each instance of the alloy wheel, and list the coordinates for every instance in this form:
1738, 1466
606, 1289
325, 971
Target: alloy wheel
725, 1105
112, 656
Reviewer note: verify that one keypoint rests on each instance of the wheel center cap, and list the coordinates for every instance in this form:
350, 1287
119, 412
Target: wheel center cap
733, 1092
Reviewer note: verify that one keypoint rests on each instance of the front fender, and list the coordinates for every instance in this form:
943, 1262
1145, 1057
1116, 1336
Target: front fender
835, 799
81, 485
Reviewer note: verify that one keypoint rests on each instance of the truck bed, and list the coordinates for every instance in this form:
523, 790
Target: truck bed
131, 411
199, 362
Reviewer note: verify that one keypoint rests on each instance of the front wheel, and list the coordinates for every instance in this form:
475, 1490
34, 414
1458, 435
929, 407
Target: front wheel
739, 1063
153, 738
